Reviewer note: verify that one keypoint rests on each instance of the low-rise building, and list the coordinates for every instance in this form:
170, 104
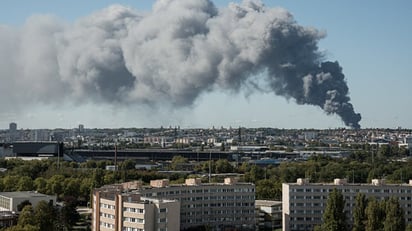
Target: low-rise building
7, 219
10, 200
268, 214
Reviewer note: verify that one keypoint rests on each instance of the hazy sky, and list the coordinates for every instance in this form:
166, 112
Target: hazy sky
370, 39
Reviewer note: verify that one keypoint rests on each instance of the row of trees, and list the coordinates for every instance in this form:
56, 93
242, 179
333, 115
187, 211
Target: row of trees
67, 179
369, 214
78, 180
73, 179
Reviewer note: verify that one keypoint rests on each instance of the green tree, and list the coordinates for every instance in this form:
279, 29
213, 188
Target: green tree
268, 189
256, 173
68, 213
244, 167
90, 164
25, 183
128, 165
26, 216
71, 187
334, 217
55, 185
359, 215
223, 166
40, 184
9, 183
98, 178
177, 162
375, 215
85, 189
23, 228
384, 151
45, 214
110, 177
395, 218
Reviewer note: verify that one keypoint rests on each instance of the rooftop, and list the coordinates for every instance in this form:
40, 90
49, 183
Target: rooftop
23, 194
267, 203
374, 182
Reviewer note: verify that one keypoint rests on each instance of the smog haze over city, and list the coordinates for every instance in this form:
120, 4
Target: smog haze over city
203, 63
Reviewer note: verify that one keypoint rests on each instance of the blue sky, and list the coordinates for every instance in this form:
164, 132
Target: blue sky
370, 39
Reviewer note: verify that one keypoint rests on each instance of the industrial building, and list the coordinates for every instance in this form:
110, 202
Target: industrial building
304, 202
30, 150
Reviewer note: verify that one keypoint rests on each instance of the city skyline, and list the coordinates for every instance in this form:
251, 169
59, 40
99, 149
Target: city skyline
370, 40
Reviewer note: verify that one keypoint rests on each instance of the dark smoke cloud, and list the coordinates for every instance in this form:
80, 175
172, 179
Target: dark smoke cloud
179, 50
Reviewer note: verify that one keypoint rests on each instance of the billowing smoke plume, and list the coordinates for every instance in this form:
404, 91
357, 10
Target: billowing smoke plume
171, 55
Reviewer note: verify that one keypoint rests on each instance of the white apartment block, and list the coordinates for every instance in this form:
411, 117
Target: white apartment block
115, 210
215, 205
304, 202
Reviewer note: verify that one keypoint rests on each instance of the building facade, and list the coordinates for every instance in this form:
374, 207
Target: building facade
116, 210
218, 206
10, 200
304, 202
268, 214
8, 218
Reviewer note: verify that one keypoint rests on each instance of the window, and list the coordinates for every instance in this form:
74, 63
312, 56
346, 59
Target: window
107, 225
162, 220
163, 210
131, 229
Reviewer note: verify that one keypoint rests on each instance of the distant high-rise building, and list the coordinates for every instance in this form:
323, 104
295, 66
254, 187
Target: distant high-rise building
12, 127
12, 131
81, 128
408, 141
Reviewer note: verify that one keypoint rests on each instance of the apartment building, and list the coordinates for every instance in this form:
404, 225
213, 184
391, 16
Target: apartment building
216, 205
304, 202
122, 211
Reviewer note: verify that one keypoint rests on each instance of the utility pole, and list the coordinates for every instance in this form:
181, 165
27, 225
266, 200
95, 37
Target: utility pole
210, 164
58, 155
115, 157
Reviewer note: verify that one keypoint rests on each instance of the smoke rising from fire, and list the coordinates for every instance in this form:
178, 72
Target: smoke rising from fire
171, 55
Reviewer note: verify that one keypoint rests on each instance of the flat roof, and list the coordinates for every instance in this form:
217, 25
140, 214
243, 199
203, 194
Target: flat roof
23, 194
267, 203
351, 184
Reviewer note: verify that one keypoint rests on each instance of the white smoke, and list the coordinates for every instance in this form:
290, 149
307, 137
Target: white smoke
170, 55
